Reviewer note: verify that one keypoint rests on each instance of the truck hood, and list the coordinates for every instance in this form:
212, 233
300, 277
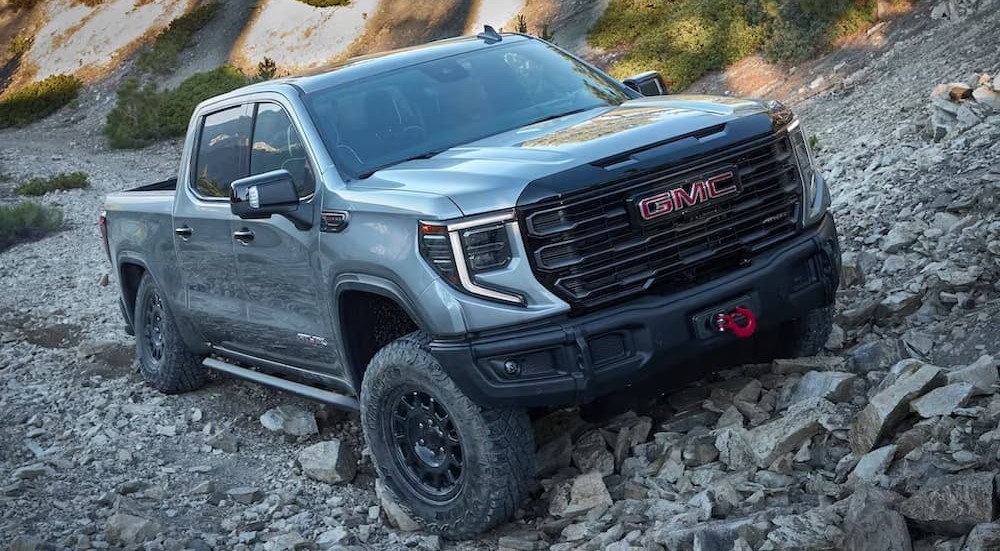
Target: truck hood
518, 166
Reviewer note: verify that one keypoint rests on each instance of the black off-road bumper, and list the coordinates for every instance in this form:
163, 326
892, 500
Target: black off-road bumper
573, 360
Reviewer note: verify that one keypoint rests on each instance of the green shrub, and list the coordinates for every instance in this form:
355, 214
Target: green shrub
326, 3
37, 100
162, 56
144, 115
27, 220
684, 39
20, 44
41, 186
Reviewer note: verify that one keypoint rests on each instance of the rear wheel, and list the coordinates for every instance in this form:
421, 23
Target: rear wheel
164, 360
457, 468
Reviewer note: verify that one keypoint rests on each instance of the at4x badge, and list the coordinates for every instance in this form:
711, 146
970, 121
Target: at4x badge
688, 195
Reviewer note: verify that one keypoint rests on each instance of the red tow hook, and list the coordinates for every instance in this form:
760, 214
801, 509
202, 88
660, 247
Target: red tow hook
741, 322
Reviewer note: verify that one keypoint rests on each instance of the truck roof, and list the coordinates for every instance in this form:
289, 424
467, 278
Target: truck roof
357, 68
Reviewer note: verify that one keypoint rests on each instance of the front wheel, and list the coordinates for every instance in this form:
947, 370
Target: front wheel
457, 468
164, 360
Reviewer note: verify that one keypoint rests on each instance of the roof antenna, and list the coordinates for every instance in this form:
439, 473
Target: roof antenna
489, 35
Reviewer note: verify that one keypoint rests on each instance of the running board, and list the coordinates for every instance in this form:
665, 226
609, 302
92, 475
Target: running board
313, 393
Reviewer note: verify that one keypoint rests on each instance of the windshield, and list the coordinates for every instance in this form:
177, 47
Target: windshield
421, 110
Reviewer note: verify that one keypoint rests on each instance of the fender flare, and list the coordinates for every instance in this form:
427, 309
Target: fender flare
188, 330
376, 285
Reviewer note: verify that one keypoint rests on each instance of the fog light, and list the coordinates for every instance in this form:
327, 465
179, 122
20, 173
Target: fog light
512, 368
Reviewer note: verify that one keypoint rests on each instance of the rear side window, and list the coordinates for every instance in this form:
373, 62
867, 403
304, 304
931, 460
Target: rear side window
223, 148
277, 146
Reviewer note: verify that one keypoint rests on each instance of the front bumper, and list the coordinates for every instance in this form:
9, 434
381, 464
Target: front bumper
573, 360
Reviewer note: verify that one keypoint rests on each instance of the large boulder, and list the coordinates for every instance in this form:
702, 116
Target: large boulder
330, 461
982, 374
828, 385
952, 504
871, 525
943, 400
890, 405
786, 433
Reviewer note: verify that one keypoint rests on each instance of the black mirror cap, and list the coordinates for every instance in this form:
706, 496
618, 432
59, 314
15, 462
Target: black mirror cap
650, 83
263, 195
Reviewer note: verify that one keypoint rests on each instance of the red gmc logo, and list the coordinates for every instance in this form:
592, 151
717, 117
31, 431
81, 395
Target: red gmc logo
687, 196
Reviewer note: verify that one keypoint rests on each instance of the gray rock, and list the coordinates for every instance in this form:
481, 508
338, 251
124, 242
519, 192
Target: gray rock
857, 316
987, 97
699, 450
708, 536
952, 504
125, 529
982, 374
290, 420
943, 400
814, 530
734, 447
554, 455
203, 488
888, 406
223, 440
984, 537
851, 273
591, 454
332, 538
32, 471
871, 525
784, 434
874, 463
829, 385
580, 495
685, 421
872, 356
397, 517
898, 305
27, 543
244, 494
331, 461
803, 365
527, 541
900, 237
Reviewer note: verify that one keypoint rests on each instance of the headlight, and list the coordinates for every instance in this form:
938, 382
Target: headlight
815, 196
460, 251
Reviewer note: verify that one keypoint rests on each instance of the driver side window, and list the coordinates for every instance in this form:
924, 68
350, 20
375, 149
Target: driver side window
277, 145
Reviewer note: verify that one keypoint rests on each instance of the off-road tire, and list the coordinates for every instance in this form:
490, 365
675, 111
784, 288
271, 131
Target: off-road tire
496, 444
164, 360
798, 338
808, 335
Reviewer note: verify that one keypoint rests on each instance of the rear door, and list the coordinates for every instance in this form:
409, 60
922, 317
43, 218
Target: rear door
203, 237
278, 266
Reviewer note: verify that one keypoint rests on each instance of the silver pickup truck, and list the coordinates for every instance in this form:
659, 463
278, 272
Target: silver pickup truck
449, 236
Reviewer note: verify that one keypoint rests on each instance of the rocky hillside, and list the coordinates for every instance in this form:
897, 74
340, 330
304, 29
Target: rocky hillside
888, 441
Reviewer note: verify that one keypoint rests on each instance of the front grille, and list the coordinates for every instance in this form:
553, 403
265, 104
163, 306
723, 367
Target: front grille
591, 249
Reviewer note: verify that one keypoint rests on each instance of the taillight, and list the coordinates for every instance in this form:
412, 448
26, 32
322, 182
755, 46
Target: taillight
103, 222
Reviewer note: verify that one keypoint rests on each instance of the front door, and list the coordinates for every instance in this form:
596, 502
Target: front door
278, 263
202, 219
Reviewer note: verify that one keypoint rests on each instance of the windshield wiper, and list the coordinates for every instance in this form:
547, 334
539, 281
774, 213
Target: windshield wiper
427, 155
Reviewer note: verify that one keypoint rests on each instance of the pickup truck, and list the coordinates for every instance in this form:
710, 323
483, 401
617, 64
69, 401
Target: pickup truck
448, 236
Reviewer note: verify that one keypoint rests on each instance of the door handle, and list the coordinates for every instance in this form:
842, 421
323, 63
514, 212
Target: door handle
184, 232
244, 236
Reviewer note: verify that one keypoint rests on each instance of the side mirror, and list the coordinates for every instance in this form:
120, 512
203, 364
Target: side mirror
264, 195
649, 83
